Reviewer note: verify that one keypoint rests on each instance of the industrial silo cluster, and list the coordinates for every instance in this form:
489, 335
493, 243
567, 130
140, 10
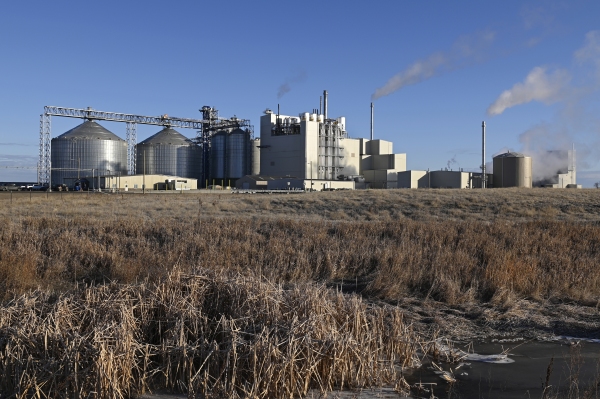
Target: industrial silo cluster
90, 150
231, 156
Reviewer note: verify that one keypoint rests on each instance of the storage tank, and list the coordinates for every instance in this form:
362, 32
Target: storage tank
87, 150
238, 155
168, 152
255, 157
218, 144
512, 169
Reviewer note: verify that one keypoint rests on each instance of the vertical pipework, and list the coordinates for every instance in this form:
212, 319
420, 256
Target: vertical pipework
320, 105
325, 103
483, 175
371, 121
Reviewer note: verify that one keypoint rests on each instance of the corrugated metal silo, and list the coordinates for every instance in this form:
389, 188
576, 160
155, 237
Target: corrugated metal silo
87, 149
256, 157
218, 144
238, 155
168, 152
512, 169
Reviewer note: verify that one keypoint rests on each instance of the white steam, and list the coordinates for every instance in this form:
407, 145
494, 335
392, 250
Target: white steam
465, 51
538, 86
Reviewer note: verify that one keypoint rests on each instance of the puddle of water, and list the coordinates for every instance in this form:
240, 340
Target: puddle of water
505, 370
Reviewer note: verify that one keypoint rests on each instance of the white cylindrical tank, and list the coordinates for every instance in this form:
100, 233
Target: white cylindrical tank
342, 122
305, 116
313, 117
512, 169
321, 118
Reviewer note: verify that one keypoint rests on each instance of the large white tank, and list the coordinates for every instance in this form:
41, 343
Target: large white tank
512, 169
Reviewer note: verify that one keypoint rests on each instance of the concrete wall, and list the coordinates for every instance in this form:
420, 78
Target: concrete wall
413, 179
282, 155
379, 147
381, 178
395, 162
449, 179
351, 160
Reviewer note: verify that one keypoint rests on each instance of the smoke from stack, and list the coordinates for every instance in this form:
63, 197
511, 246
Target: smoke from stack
286, 87
537, 86
465, 51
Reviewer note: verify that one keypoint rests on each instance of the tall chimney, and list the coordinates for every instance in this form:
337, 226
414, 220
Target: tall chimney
325, 103
320, 105
483, 175
371, 121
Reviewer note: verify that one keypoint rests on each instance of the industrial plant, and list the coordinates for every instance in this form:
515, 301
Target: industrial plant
308, 152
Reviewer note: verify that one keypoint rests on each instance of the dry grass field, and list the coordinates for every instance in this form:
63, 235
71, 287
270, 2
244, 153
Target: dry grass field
227, 295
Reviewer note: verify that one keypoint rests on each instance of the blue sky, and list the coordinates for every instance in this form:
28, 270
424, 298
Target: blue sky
434, 69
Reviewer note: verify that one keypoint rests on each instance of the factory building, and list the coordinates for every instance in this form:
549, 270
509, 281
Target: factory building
141, 182
442, 179
512, 169
318, 151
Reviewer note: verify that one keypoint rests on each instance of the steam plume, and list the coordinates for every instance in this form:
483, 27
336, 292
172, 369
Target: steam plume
286, 85
466, 50
538, 86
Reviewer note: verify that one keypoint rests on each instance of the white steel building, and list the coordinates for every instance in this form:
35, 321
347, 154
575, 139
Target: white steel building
318, 150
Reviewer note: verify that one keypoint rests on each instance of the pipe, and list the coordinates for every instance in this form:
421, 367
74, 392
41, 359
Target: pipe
483, 175
325, 103
371, 121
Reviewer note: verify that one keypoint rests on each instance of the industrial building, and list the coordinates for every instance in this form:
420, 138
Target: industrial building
317, 150
442, 179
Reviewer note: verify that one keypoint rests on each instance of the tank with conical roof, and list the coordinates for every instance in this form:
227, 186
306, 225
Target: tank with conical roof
512, 169
168, 152
85, 150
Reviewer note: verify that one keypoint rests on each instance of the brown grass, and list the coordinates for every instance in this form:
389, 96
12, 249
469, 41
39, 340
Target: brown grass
211, 335
113, 309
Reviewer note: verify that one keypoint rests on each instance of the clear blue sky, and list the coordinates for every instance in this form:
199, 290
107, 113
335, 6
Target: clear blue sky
435, 69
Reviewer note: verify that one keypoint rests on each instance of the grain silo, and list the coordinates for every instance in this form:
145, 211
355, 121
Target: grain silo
238, 154
512, 169
168, 152
218, 144
87, 150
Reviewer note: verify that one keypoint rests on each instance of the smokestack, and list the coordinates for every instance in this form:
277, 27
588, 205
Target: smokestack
320, 105
483, 175
371, 121
325, 103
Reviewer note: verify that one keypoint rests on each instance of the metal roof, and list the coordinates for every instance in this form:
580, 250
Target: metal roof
89, 130
510, 154
168, 136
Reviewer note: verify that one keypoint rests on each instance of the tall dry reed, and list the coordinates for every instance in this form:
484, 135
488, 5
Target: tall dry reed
211, 334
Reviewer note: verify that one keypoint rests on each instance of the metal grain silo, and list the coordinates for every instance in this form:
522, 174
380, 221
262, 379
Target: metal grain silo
168, 152
512, 169
87, 150
218, 143
238, 156
255, 156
